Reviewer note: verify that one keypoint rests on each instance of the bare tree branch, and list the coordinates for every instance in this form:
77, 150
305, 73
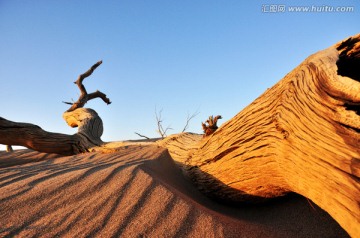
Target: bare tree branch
188, 119
142, 135
166, 129
84, 96
99, 94
81, 77
159, 121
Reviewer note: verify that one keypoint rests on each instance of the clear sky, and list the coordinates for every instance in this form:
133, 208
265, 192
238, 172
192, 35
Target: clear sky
210, 56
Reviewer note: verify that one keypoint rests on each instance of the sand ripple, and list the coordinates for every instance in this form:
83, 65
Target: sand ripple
136, 192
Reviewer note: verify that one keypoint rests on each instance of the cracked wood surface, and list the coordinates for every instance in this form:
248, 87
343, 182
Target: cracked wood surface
301, 135
89, 125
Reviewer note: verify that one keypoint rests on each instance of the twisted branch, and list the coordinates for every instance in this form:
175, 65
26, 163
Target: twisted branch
84, 96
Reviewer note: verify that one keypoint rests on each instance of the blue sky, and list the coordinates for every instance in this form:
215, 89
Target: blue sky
214, 57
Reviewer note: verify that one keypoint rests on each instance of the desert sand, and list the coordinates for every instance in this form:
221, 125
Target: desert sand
135, 191
300, 136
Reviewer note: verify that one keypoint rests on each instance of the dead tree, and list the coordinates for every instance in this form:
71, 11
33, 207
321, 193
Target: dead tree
90, 127
302, 135
159, 122
163, 131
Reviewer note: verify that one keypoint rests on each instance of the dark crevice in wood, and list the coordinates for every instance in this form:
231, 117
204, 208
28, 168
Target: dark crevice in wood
352, 107
349, 58
220, 156
349, 67
357, 130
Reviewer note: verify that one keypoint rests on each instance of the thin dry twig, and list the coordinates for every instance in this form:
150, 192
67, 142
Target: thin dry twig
188, 119
159, 121
142, 135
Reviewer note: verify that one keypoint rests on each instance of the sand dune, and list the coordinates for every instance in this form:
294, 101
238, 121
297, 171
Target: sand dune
135, 192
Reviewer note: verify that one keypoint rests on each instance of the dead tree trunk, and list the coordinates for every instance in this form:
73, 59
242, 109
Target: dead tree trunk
301, 135
90, 127
33, 137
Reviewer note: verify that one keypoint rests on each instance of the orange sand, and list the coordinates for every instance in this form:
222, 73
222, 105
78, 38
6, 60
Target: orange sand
137, 191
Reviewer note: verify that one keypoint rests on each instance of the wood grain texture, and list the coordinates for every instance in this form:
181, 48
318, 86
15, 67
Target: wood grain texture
89, 125
301, 135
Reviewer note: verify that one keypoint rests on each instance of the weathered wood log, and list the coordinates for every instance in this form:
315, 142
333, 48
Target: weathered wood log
33, 137
301, 135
